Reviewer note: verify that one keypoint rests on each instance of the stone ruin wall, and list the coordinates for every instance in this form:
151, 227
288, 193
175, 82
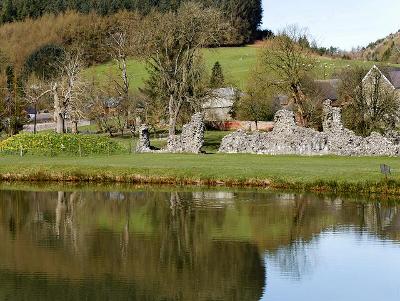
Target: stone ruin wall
143, 145
191, 139
289, 139
285, 139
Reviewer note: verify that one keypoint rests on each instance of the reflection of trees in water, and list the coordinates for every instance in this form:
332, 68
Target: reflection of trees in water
66, 224
174, 246
89, 237
295, 261
178, 231
212, 269
362, 215
380, 219
298, 257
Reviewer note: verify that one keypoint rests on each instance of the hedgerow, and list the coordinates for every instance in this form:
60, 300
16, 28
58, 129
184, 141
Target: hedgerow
54, 144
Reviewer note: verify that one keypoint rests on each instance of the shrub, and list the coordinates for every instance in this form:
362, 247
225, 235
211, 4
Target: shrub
43, 61
54, 144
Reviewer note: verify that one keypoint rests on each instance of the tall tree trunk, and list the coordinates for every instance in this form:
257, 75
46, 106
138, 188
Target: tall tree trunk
60, 124
126, 92
172, 126
172, 118
299, 99
35, 120
58, 112
300, 116
74, 127
125, 78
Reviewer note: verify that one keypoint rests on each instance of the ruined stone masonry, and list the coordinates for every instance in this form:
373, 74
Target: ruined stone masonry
191, 139
289, 139
143, 145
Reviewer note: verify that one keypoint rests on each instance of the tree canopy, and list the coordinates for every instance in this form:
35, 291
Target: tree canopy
245, 15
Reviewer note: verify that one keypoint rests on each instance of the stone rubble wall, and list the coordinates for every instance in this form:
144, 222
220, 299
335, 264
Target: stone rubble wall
143, 145
289, 139
191, 139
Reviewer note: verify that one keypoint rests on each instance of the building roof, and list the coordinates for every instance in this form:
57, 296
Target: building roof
30, 110
392, 74
282, 100
329, 88
220, 98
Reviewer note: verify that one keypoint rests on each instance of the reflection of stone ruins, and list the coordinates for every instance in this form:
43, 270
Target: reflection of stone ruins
288, 138
191, 139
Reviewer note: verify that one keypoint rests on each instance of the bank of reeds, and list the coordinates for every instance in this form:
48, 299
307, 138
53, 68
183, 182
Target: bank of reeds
381, 187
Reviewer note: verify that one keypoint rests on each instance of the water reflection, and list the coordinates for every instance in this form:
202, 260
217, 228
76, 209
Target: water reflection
172, 245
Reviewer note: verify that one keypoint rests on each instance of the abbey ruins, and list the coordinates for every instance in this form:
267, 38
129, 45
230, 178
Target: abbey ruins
285, 139
191, 139
289, 139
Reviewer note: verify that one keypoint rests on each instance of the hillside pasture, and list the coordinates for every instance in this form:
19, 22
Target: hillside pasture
236, 63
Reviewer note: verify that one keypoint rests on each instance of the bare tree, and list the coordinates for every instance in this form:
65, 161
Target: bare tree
99, 107
35, 91
67, 92
288, 59
120, 47
107, 108
174, 58
127, 41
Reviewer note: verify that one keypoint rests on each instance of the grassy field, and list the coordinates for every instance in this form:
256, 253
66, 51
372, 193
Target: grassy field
235, 61
325, 173
319, 173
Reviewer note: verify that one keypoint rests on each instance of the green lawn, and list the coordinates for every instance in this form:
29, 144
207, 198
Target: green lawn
211, 143
325, 172
314, 173
224, 166
235, 61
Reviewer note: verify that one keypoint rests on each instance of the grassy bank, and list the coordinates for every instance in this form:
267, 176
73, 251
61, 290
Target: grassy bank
333, 174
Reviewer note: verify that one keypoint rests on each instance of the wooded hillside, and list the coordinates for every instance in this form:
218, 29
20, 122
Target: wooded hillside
384, 50
245, 15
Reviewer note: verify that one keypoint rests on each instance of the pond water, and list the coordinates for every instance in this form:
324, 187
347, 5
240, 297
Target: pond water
159, 244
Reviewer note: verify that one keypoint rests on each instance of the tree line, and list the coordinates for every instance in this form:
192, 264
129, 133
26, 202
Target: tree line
52, 76
286, 66
245, 15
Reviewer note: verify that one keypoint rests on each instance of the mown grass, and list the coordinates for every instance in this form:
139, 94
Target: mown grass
212, 139
325, 173
235, 61
320, 173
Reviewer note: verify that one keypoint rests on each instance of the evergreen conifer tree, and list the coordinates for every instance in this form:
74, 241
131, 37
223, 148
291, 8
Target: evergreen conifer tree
8, 13
217, 76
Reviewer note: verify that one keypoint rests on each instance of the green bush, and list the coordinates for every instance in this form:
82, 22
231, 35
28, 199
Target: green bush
54, 144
